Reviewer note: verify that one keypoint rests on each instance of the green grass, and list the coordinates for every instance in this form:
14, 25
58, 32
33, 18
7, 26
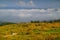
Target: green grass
53, 31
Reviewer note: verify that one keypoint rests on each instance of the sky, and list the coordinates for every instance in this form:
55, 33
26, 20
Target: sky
27, 10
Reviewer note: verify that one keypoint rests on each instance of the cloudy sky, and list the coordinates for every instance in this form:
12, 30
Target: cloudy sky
26, 10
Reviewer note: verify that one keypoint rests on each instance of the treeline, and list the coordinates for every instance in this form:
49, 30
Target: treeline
5, 23
51, 21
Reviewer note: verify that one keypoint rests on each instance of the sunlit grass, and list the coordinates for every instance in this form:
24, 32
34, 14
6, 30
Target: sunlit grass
30, 31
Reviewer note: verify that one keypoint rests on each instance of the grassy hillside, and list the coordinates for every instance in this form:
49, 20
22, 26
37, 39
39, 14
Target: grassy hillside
30, 31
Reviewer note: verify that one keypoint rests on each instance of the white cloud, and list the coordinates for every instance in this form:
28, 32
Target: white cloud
42, 10
50, 10
22, 3
58, 10
31, 4
24, 15
33, 14
26, 4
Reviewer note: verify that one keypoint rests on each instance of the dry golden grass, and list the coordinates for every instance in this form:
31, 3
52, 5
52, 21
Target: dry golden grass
31, 31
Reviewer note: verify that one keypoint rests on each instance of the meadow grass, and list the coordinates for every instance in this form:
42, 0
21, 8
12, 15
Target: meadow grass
30, 31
